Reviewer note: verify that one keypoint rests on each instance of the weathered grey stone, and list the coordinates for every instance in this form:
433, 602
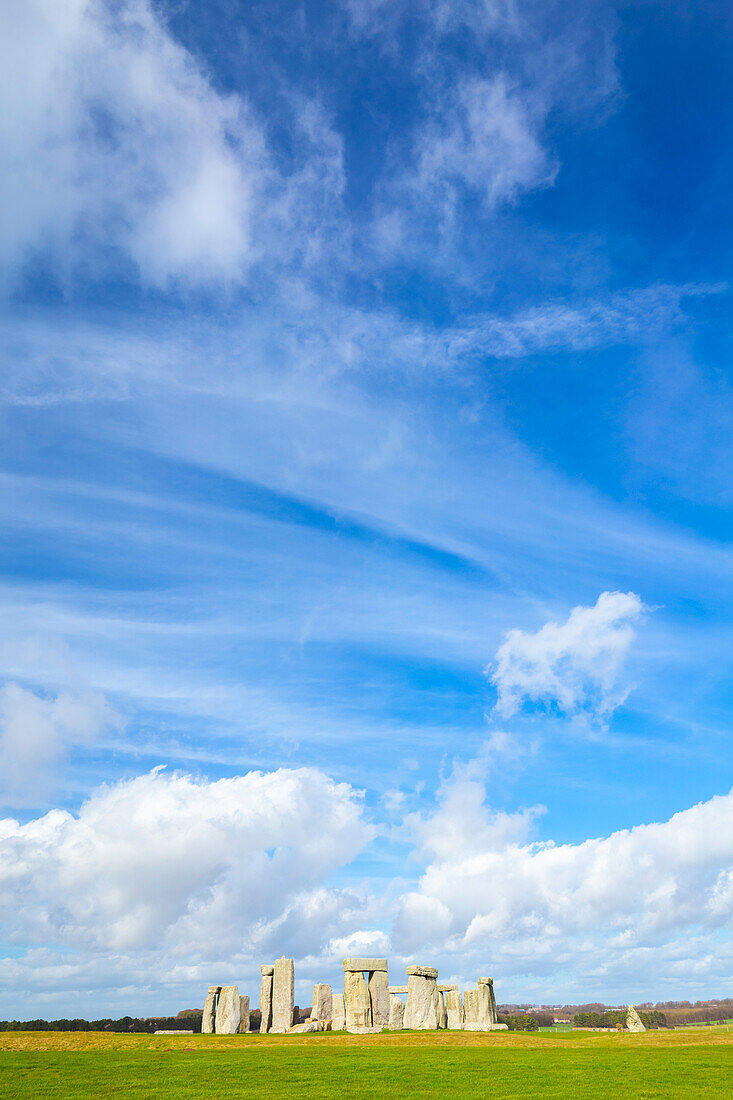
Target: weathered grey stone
227, 1011
453, 1009
268, 968
364, 1030
494, 1013
398, 990
362, 965
322, 1002
243, 1013
442, 1010
486, 981
470, 1008
633, 1020
396, 1013
422, 972
356, 998
423, 1011
338, 1020
173, 1033
379, 997
484, 1004
443, 988
266, 999
306, 1027
283, 992
207, 1020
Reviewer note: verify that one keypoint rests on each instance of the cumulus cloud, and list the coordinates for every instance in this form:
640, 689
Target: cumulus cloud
188, 865
36, 733
114, 139
572, 666
536, 908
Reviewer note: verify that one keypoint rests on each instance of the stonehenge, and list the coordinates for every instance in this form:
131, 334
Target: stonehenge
367, 1000
369, 1004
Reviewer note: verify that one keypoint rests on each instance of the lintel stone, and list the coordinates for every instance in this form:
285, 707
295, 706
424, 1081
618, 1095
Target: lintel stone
422, 971
358, 966
267, 969
398, 989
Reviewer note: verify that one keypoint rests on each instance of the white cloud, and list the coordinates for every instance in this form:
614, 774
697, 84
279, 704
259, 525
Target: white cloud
195, 868
113, 138
36, 733
609, 910
488, 140
572, 665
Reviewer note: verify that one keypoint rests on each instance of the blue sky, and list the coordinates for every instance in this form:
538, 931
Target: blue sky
366, 484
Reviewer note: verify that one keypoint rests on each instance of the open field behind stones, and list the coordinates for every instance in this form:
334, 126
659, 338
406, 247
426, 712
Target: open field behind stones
83, 1065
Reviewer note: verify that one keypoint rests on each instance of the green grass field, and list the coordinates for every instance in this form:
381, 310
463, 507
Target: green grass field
76, 1066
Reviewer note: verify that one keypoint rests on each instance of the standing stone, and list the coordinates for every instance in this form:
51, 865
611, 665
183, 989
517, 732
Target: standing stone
207, 1020
356, 998
283, 995
396, 1013
338, 1020
470, 1009
442, 1011
422, 1012
633, 1020
322, 1002
243, 1013
486, 1002
453, 1010
266, 998
209, 1013
379, 997
227, 1011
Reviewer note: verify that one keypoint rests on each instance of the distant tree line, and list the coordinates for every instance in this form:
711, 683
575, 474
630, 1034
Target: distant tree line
615, 1018
188, 1020
520, 1022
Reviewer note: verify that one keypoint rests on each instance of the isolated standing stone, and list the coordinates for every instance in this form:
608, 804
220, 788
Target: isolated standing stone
227, 1011
243, 1013
322, 1002
379, 997
207, 1020
338, 1020
356, 998
283, 994
633, 1020
422, 1011
266, 998
396, 1013
453, 1010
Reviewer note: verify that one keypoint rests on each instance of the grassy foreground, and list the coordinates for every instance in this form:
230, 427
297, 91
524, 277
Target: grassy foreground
79, 1065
